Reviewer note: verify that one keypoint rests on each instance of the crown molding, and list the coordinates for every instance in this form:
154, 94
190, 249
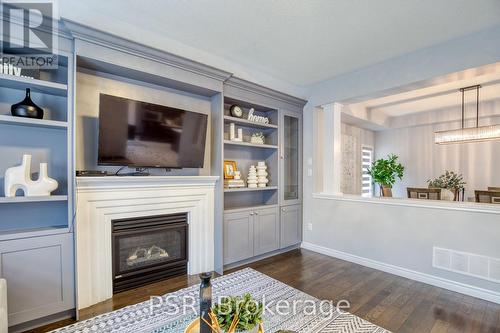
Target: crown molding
88, 34
264, 91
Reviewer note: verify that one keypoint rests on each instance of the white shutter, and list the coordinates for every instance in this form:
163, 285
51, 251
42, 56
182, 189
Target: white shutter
366, 179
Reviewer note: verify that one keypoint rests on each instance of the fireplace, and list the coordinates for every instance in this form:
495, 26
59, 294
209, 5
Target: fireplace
148, 249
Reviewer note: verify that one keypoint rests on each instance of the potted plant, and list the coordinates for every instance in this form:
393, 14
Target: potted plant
238, 314
385, 171
450, 184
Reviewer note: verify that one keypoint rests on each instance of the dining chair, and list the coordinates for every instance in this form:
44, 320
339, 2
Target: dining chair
491, 197
424, 193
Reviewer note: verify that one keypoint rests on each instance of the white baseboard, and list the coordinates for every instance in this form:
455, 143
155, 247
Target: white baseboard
488, 295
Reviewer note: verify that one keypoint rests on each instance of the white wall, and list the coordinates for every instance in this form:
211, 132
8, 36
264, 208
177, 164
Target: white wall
423, 159
396, 235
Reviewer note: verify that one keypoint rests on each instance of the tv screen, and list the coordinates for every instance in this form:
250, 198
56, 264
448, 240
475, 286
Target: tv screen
140, 134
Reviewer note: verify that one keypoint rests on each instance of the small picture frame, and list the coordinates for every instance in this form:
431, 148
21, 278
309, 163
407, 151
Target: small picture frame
229, 169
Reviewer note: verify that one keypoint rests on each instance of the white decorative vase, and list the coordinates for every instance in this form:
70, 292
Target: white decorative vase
447, 195
19, 178
252, 177
262, 174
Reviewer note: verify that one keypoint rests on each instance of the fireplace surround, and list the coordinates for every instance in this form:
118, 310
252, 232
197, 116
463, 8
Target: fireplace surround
102, 200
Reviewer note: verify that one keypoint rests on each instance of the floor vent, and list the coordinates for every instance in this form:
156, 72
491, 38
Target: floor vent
471, 264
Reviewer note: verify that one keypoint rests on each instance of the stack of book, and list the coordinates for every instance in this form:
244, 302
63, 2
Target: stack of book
234, 183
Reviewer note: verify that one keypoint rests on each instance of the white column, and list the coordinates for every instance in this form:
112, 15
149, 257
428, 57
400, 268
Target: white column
332, 153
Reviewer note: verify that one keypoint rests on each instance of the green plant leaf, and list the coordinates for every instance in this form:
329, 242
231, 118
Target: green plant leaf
385, 171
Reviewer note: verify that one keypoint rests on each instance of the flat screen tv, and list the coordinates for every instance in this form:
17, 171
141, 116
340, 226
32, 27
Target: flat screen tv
140, 134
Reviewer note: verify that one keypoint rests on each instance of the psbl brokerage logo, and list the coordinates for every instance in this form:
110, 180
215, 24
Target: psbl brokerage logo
29, 34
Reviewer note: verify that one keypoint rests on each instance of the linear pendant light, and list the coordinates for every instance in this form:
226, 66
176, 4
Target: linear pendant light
471, 134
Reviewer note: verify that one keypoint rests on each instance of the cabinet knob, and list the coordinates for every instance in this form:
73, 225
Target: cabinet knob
283, 209
256, 213
251, 214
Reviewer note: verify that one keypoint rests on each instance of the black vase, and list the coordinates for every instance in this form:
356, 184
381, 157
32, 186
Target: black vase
26, 108
205, 302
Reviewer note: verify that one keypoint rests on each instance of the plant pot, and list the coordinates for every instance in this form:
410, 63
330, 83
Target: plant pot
194, 327
253, 330
386, 191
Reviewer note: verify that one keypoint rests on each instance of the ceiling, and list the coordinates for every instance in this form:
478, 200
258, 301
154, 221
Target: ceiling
439, 96
299, 42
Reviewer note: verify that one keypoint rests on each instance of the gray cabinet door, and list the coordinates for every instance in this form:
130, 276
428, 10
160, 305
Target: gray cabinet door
266, 230
39, 274
238, 236
291, 225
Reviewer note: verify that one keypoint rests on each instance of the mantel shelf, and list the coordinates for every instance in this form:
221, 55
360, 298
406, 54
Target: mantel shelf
246, 189
4, 200
248, 123
248, 144
17, 82
20, 121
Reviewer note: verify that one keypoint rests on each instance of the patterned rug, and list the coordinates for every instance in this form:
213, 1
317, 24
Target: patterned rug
286, 308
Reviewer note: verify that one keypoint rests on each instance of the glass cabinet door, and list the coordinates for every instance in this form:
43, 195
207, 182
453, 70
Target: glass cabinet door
291, 158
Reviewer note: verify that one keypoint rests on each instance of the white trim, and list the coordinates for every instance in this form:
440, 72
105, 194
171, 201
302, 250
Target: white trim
126, 182
432, 204
102, 199
459, 287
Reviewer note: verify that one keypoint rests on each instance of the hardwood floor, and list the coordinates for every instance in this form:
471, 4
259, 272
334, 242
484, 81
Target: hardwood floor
390, 301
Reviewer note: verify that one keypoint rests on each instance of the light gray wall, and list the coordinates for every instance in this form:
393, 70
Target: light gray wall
404, 236
87, 114
423, 159
393, 234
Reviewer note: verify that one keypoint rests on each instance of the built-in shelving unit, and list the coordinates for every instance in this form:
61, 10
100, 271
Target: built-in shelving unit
36, 232
248, 123
237, 209
9, 120
261, 221
43, 86
247, 189
249, 144
4, 200
245, 154
47, 140
33, 232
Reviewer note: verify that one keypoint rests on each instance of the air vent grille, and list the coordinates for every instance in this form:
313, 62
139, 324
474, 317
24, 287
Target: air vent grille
471, 264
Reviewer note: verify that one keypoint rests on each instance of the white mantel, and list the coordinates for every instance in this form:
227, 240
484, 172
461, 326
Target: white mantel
103, 199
